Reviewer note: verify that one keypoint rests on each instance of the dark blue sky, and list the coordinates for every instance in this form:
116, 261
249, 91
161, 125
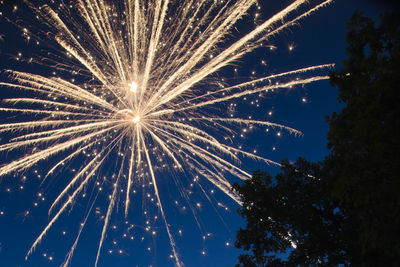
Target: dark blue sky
319, 39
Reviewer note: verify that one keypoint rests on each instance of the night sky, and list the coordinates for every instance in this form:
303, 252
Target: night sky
319, 39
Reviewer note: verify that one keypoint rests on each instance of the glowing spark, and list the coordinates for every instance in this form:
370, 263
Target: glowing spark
136, 119
133, 87
131, 58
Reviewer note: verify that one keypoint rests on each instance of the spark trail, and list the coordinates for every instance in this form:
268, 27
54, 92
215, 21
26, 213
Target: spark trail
145, 90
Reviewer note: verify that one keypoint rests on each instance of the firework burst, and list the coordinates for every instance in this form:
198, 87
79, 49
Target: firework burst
138, 79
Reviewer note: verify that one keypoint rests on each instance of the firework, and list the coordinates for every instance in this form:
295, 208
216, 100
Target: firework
144, 90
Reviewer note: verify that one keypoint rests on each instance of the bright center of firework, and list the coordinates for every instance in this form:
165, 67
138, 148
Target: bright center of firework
136, 119
133, 87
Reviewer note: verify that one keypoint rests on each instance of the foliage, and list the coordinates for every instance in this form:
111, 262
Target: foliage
294, 209
364, 137
346, 209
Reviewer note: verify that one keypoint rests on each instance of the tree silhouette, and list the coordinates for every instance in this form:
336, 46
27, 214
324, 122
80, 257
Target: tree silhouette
345, 209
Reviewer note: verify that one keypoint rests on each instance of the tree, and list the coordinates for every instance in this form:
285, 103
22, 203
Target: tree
294, 210
346, 209
364, 138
